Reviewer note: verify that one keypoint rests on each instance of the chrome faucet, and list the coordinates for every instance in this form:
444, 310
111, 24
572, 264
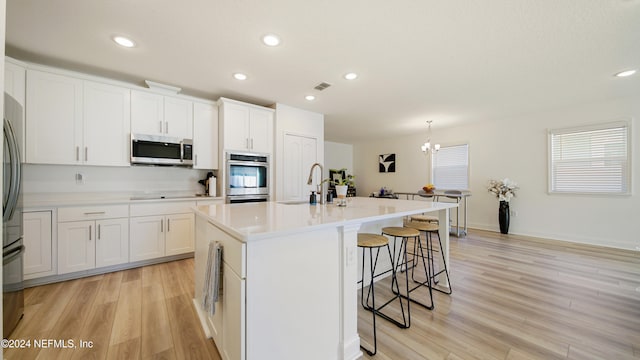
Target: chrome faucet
319, 186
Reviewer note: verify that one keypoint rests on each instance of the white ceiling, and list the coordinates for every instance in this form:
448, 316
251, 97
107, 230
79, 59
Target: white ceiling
447, 61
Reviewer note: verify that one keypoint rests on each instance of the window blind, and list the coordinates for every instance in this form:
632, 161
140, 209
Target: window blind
590, 160
450, 167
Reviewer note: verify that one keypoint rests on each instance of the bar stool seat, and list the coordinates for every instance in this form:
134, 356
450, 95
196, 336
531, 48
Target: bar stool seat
400, 231
425, 218
371, 242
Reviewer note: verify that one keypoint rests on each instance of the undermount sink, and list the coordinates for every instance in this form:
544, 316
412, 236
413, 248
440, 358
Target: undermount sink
293, 202
159, 196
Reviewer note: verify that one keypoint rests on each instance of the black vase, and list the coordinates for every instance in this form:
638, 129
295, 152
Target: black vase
503, 217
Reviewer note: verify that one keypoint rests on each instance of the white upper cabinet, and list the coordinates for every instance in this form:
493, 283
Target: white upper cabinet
205, 136
54, 123
154, 114
147, 113
261, 130
74, 121
178, 118
246, 127
106, 124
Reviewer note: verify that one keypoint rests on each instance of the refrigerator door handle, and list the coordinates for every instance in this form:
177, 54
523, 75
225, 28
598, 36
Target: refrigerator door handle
11, 255
14, 159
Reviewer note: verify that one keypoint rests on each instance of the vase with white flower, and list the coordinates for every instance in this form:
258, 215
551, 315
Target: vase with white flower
504, 190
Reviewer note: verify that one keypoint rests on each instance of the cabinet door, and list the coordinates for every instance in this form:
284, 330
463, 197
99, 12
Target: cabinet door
178, 118
54, 118
205, 136
107, 124
179, 234
236, 126
76, 246
261, 130
233, 315
146, 240
112, 242
37, 242
300, 153
147, 113
14, 85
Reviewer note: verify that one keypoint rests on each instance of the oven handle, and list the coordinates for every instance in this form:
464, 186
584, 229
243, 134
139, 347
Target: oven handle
11, 255
247, 163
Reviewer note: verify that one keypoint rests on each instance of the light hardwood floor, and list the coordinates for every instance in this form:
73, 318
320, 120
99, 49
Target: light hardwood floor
143, 313
516, 297
513, 298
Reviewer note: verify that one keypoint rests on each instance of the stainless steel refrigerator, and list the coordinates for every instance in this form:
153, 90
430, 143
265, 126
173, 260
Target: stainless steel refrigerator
12, 247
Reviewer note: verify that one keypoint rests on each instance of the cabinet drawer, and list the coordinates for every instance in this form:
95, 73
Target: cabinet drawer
162, 208
234, 251
92, 212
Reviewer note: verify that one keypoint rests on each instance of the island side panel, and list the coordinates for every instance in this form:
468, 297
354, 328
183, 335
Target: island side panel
443, 232
293, 296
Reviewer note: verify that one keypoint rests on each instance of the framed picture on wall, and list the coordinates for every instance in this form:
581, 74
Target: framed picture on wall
387, 163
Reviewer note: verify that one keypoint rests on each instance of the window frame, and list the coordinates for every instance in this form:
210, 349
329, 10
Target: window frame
468, 172
626, 122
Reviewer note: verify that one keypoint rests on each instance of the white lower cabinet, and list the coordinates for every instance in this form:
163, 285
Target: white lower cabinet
88, 237
147, 237
84, 245
179, 235
227, 327
38, 243
159, 230
233, 315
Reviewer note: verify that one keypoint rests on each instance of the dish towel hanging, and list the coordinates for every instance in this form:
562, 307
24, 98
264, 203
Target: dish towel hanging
213, 278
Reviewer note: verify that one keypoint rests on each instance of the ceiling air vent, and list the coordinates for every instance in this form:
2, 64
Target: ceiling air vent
322, 86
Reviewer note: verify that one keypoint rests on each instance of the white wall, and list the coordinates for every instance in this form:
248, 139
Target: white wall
338, 156
517, 148
294, 121
59, 178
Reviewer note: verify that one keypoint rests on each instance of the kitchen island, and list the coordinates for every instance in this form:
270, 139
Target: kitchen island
290, 272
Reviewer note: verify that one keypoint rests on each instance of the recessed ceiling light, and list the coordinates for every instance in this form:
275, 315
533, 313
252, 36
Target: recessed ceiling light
240, 76
123, 41
310, 97
626, 73
271, 40
350, 76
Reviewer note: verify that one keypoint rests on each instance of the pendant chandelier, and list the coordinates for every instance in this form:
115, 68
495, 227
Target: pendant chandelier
427, 145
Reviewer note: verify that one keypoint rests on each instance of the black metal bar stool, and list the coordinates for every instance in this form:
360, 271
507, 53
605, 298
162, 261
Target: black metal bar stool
375, 241
404, 263
429, 230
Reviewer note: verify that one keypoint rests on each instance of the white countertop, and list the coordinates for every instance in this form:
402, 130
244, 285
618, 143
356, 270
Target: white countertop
52, 200
253, 221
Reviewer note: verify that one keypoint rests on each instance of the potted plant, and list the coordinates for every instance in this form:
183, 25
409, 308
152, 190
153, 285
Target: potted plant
341, 181
504, 190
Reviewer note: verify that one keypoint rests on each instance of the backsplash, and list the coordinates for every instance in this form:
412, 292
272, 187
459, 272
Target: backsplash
63, 178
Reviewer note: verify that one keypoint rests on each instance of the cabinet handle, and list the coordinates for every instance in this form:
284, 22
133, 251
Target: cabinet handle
77, 153
160, 127
195, 160
86, 153
251, 143
161, 225
89, 232
166, 127
95, 213
168, 225
247, 143
98, 232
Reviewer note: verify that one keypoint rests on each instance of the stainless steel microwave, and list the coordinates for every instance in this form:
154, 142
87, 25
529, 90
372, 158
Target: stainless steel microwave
161, 150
